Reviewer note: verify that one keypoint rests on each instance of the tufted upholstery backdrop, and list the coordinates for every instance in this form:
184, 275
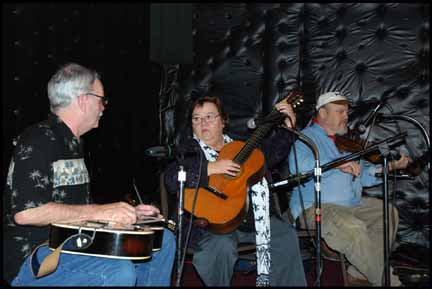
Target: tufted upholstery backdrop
251, 55
112, 38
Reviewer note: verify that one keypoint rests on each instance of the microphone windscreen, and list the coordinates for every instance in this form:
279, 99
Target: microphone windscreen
157, 151
251, 123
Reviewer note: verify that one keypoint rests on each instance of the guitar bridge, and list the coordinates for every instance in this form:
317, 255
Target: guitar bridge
216, 192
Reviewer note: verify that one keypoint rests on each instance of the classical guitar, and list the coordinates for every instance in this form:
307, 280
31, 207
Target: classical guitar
223, 204
108, 239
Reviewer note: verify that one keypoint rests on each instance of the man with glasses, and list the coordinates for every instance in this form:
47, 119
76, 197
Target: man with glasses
103, 99
48, 182
279, 261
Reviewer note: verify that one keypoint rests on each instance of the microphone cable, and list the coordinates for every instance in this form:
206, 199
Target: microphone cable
303, 214
189, 229
393, 196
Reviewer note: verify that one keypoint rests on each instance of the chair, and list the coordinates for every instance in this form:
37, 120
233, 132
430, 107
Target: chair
326, 252
303, 233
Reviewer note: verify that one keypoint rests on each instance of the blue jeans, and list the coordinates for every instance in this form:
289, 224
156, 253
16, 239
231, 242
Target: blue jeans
79, 270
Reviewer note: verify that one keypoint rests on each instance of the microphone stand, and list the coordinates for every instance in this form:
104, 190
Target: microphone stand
181, 180
317, 174
385, 152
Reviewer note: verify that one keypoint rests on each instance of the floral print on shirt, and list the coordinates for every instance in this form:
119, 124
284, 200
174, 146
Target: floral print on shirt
47, 165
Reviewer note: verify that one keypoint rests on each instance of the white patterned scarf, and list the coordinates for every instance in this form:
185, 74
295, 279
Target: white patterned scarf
261, 207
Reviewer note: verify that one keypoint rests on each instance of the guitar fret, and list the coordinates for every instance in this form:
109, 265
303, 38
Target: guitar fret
252, 143
261, 131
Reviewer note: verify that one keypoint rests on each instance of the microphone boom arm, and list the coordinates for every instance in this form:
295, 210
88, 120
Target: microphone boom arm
306, 175
409, 119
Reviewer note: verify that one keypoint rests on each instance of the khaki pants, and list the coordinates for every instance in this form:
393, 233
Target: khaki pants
358, 232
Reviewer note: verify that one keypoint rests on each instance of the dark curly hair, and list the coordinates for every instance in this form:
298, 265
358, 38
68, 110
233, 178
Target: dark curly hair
212, 99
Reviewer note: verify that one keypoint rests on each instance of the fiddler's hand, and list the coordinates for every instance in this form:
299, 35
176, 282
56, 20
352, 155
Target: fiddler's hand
401, 163
223, 167
352, 168
287, 109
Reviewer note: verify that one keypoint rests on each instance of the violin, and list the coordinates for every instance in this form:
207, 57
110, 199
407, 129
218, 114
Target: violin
352, 143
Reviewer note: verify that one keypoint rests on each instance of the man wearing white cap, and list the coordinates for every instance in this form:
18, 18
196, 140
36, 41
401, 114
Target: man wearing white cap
351, 224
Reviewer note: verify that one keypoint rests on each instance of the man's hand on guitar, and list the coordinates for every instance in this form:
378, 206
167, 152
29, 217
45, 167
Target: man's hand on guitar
223, 167
143, 211
287, 109
117, 212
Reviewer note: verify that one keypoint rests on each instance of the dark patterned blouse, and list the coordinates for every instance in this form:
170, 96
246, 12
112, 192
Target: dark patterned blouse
47, 165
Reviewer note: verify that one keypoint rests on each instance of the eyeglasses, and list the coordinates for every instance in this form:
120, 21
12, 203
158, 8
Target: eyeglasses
207, 118
103, 98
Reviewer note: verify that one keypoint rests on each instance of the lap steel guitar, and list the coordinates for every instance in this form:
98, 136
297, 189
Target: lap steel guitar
109, 239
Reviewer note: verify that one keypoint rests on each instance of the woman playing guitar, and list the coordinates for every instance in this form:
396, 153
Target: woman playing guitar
223, 160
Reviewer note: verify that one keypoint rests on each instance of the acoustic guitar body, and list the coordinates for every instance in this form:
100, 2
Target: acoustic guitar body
225, 215
156, 225
102, 241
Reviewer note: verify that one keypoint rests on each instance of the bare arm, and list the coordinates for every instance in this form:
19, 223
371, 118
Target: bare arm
56, 213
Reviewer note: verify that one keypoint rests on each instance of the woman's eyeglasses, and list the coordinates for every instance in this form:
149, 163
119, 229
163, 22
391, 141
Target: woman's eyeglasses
207, 118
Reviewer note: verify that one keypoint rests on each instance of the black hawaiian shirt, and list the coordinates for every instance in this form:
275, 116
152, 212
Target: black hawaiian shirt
47, 165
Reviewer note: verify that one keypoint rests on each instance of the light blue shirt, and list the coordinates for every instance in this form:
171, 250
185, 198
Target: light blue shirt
337, 187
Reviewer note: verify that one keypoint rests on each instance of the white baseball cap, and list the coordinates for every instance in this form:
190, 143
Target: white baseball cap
329, 97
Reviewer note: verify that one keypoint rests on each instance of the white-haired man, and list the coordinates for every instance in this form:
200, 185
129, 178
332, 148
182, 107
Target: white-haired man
48, 183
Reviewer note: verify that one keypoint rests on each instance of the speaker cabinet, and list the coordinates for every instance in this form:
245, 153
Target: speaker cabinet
171, 33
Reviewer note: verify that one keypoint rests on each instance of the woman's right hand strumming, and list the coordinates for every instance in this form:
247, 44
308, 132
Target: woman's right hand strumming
223, 167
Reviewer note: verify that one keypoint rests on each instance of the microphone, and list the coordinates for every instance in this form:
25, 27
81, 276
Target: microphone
362, 125
292, 180
303, 176
169, 151
253, 123
397, 175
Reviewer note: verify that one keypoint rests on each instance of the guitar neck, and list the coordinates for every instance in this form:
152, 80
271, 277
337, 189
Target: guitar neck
274, 117
253, 142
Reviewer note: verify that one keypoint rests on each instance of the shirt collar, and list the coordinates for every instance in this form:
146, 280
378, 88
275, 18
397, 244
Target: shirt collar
55, 121
332, 137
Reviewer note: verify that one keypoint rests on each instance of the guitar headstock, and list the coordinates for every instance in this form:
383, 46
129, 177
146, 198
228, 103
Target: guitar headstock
295, 98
